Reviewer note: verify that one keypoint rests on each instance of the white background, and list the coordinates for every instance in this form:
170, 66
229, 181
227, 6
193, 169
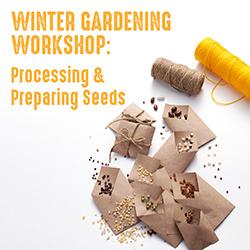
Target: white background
45, 175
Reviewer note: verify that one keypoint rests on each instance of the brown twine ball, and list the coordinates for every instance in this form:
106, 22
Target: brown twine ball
178, 76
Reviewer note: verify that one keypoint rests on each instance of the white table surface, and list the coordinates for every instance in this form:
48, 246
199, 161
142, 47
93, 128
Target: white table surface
45, 175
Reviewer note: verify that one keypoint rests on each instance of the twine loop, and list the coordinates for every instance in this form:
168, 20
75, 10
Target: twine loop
135, 119
139, 142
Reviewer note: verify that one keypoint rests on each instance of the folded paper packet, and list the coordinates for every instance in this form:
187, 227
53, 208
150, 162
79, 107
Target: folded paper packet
156, 209
178, 151
189, 189
144, 168
114, 197
132, 138
132, 114
194, 228
183, 118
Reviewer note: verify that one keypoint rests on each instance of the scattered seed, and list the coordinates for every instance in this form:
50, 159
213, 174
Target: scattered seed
155, 107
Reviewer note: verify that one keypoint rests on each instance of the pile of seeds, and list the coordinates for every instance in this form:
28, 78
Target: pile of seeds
189, 216
124, 214
144, 174
148, 203
106, 185
186, 143
187, 189
175, 113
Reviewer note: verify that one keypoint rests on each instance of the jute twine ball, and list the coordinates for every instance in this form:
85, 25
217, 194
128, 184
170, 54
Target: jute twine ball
178, 76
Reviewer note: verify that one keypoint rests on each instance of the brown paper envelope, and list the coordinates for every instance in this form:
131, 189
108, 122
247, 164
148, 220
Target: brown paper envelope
193, 123
136, 132
107, 203
162, 178
198, 234
144, 168
162, 220
169, 156
134, 111
212, 203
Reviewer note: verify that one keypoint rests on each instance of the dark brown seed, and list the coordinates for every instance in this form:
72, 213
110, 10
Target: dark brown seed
173, 109
171, 115
227, 191
155, 107
178, 113
152, 100
238, 187
221, 178
185, 117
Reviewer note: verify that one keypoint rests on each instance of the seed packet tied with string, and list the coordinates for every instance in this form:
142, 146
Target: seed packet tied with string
155, 208
178, 151
132, 138
194, 228
134, 114
114, 197
183, 118
144, 168
189, 189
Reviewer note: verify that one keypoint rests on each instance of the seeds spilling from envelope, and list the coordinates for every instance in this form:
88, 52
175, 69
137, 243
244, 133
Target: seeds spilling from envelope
124, 218
173, 204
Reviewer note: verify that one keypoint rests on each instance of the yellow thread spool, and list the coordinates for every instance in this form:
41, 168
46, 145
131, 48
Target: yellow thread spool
224, 64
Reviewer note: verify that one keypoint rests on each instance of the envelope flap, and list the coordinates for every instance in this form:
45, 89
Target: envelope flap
122, 187
162, 178
187, 120
171, 159
144, 168
176, 123
197, 231
147, 194
214, 205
